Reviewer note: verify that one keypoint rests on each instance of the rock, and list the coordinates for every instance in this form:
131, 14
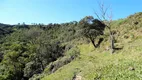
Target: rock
76, 77
107, 48
131, 68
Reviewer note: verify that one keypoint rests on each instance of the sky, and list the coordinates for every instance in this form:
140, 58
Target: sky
60, 11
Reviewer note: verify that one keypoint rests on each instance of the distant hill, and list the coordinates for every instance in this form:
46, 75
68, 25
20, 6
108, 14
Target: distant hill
5, 29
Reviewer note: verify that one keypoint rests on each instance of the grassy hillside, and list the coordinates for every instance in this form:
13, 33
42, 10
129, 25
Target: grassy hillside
99, 64
67, 51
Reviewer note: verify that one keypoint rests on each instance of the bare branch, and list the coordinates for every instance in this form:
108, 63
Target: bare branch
98, 16
106, 17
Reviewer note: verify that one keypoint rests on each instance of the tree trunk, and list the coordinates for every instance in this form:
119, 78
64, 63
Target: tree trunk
40, 61
99, 42
92, 40
42, 66
111, 39
111, 42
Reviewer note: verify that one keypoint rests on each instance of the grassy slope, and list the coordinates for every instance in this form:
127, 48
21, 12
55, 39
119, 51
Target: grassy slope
99, 64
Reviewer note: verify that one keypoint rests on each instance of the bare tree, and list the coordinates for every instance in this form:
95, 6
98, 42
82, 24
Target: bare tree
106, 18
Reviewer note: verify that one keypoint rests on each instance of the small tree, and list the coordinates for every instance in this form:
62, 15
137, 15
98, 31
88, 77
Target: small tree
106, 18
91, 28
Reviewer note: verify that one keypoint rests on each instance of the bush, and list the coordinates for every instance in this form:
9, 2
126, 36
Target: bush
73, 52
53, 66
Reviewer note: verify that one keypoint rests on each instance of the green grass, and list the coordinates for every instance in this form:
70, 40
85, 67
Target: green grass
99, 64
95, 64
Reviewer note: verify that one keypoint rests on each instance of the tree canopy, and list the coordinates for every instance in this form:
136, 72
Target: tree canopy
91, 28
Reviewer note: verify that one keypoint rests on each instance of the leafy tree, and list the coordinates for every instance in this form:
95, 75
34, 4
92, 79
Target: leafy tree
91, 28
1, 56
13, 65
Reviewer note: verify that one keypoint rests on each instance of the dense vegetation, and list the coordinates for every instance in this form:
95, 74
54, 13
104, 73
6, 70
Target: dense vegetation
70, 50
